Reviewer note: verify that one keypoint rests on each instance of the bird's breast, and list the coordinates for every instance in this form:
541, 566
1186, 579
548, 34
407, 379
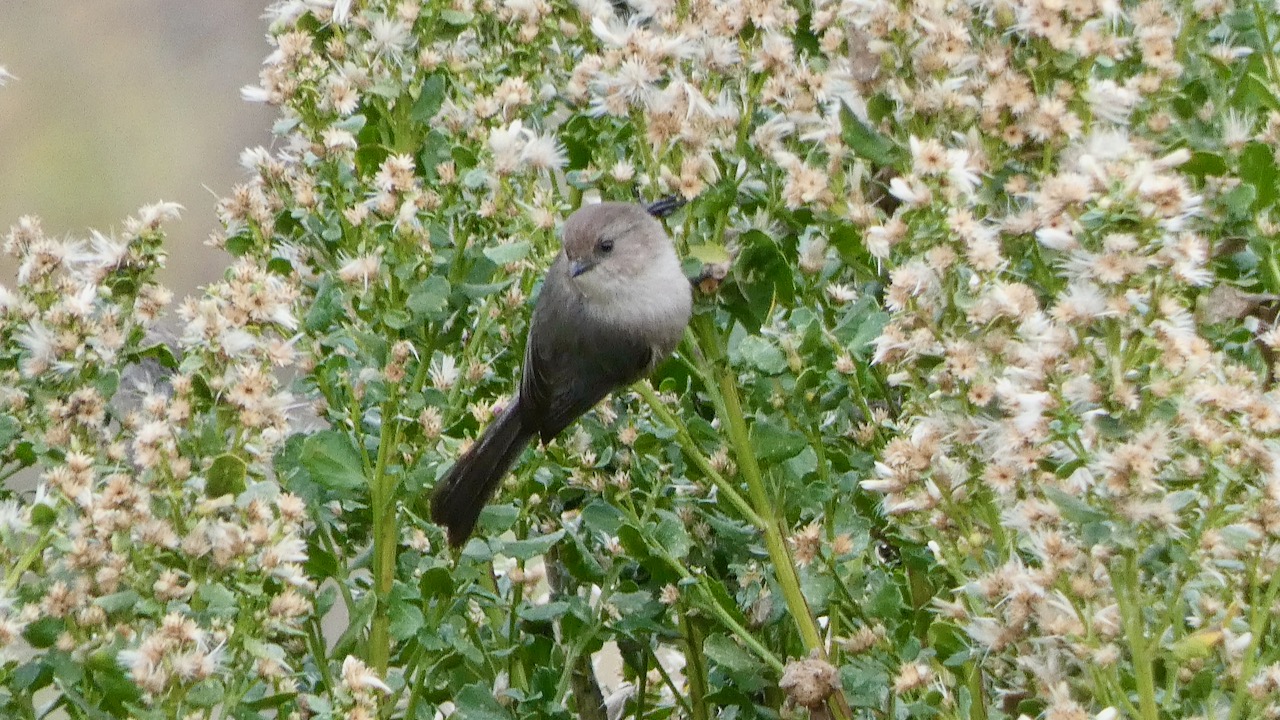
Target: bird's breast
655, 304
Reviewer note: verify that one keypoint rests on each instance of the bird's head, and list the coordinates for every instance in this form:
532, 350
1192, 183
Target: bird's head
614, 240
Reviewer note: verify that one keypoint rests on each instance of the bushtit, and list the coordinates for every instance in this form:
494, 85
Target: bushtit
614, 304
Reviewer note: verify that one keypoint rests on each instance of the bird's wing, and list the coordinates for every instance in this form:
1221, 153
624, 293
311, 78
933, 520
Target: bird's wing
572, 361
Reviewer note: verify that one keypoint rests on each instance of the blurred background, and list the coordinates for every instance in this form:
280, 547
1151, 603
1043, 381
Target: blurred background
120, 103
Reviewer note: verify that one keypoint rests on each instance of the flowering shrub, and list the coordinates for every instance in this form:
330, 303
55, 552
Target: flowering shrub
975, 418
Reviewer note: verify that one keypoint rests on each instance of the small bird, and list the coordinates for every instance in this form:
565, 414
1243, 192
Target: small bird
614, 305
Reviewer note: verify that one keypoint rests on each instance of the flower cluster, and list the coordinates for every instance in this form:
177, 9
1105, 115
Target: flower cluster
154, 496
1095, 467
977, 409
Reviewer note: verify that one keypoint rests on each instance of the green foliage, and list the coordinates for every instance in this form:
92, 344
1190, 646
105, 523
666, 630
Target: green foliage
974, 418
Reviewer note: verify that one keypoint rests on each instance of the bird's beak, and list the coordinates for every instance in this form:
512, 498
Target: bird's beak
577, 267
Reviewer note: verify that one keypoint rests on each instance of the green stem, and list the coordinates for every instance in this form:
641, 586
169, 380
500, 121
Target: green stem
977, 706
1273, 266
642, 682
315, 639
1268, 49
730, 410
1125, 584
386, 534
1259, 615
571, 661
670, 683
20, 568
692, 451
515, 671
776, 545
386, 526
741, 633
695, 668
713, 603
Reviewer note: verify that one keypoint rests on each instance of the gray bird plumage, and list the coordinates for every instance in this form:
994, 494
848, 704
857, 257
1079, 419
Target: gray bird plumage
614, 304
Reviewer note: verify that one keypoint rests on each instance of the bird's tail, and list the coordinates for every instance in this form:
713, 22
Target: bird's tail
459, 497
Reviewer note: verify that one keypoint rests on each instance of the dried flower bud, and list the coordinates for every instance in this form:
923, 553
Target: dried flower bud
809, 682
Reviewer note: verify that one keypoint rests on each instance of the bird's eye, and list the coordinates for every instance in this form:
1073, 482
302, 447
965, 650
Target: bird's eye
605, 246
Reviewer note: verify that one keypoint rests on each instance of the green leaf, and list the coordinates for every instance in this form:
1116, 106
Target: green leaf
67, 671
332, 461
43, 514
86, 708
429, 297
476, 702
602, 517
44, 632
532, 547
743, 668
397, 319
1204, 164
160, 353
206, 694
709, 254
430, 98
406, 620
1196, 646
9, 430
760, 353
415, 481
580, 561
497, 519
506, 253
475, 291
360, 616
456, 17
436, 582
817, 588
226, 476
107, 383
1240, 200
865, 142
326, 306
115, 602
435, 149
477, 549
1258, 168
636, 603
774, 444
672, 535
353, 124
218, 599
1074, 509
868, 330
31, 676
544, 613
887, 601
475, 178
